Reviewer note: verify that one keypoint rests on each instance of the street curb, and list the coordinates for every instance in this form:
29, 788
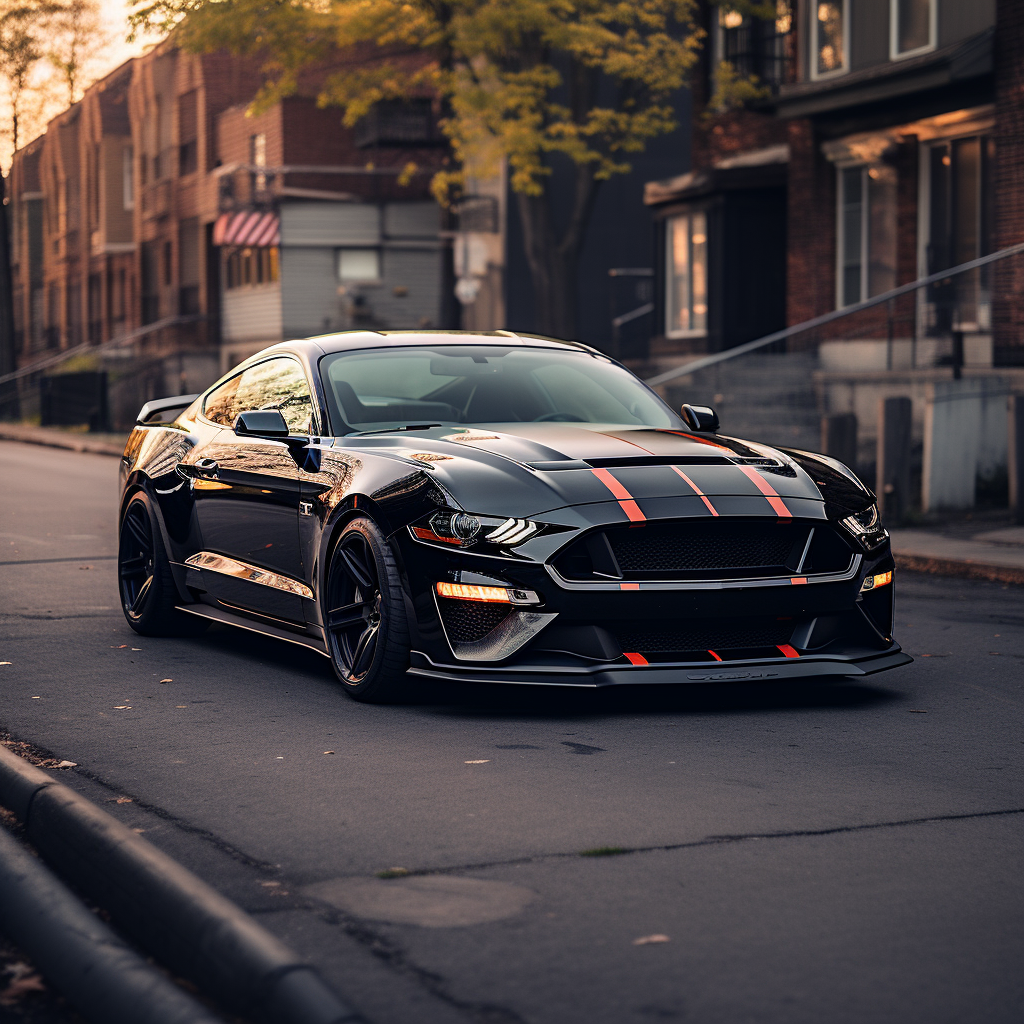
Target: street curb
72, 442
181, 921
960, 570
88, 964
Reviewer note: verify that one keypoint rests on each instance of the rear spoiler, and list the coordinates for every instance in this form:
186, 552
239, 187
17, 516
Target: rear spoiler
163, 410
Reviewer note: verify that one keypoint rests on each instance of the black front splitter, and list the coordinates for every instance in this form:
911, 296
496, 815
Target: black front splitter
604, 675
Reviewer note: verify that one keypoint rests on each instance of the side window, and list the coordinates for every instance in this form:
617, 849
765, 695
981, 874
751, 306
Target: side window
276, 384
220, 404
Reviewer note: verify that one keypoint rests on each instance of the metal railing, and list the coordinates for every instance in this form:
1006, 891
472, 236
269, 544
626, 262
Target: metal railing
827, 318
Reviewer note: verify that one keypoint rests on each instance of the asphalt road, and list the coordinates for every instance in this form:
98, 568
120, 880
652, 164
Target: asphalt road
841, 852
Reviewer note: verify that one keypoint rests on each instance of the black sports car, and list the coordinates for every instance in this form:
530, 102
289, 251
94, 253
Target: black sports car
495, 507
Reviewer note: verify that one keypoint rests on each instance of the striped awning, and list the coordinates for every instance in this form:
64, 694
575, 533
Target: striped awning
252, 227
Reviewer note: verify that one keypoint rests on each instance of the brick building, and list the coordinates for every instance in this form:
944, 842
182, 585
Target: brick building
160, 233
889, 145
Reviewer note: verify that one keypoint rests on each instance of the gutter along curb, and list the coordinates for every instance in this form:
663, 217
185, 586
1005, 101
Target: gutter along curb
79, 955
185, 924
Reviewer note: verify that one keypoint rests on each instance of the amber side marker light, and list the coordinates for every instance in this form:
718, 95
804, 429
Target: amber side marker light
873, 582
475, 592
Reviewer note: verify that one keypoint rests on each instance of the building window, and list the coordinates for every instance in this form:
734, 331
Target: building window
912, 27
959, 225
867, 233
258, 158
128, 178
686, 285
359, 265
249, 266
829, 36
758, 47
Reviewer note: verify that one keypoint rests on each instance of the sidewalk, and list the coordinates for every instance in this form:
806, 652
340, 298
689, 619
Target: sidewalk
996, 555
961, 547
51, 437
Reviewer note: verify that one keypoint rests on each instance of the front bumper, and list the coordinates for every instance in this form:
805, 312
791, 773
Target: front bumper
807, 667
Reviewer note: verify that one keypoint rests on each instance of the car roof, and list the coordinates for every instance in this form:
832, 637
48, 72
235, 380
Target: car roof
348, 340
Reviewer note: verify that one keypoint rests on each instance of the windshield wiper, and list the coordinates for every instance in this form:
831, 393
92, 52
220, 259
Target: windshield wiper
410, 426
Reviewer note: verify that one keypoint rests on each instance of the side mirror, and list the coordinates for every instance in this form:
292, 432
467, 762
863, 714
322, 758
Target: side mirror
261, 423
701, 418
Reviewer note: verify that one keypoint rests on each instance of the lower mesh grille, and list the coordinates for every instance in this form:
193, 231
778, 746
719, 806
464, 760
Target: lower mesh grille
465, 622
704, 635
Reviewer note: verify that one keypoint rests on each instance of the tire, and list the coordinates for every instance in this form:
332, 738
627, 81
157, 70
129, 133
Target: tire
364, 616
148, 593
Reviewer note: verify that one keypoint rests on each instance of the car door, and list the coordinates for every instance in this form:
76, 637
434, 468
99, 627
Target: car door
246, 492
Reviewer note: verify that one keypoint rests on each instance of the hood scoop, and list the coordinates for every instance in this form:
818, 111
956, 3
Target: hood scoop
631, 461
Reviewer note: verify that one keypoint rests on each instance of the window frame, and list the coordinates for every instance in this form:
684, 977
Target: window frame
314, 403
689, 214
894, 31
812, 62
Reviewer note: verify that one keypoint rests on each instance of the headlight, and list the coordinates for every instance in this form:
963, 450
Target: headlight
866, 526
461, 529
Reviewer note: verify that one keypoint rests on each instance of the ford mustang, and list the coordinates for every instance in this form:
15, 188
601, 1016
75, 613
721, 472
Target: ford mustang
448, 506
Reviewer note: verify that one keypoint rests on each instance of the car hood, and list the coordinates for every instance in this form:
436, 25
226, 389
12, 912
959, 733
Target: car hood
531, 468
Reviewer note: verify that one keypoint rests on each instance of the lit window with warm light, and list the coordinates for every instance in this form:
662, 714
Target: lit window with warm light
686, 286
829, 32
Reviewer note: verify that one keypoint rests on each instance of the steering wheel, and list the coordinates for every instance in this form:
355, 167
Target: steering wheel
560, 417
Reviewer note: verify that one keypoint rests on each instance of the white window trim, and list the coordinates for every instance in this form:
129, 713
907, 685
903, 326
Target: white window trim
689, 332
840, 233
817, 75
933, 31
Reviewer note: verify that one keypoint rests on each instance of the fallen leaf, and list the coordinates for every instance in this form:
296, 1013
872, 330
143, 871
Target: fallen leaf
136, 648
328, 751
648, 940
138, 831
37, 698
124, 799
123, 707
477, 762
270, 885
118, 647
166, 680
66, 764
5, 663
181, 705
22, 984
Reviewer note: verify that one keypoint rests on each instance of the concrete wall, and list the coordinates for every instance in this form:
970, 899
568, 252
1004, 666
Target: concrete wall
965, 436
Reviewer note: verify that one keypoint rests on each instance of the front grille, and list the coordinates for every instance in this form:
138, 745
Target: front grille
675, 547
465, 622
705, 549
704, 635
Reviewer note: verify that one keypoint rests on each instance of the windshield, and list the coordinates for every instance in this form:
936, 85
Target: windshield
372, 389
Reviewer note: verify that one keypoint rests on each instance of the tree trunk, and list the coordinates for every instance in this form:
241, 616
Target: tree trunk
554, 260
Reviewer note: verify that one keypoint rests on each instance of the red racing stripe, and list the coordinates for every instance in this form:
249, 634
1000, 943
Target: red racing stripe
699, 440
789, 652
703, 497
767, 490
625, 499
715, 656
636, 659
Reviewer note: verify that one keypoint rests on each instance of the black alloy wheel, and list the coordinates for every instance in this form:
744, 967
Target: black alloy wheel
148, 593
365, 622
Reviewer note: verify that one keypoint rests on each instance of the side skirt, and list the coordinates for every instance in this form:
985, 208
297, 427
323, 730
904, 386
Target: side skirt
205, 611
